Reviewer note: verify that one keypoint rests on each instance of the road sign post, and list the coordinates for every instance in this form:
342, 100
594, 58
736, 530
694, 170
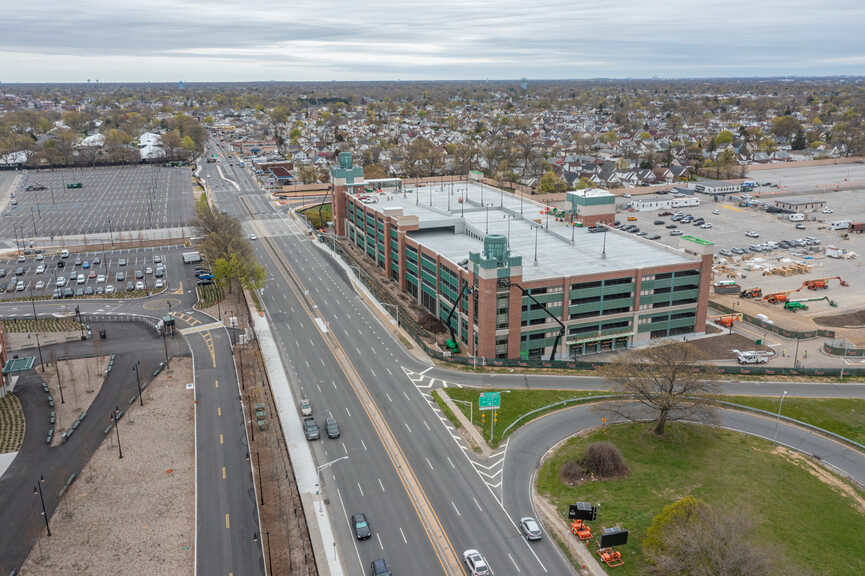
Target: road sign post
490, 401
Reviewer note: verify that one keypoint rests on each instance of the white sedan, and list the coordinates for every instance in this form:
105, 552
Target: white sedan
100, 279
476, 563
40, 285
60, 282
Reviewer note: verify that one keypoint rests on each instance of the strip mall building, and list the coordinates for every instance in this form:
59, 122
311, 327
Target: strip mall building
610, 290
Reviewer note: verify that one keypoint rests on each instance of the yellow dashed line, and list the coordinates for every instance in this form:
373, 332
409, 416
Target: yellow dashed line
731, 207
223, 472
219, 411
217, 383
227, 522
220, 439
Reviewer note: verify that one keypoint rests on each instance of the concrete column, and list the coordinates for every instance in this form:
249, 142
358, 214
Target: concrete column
487, 317
703, 299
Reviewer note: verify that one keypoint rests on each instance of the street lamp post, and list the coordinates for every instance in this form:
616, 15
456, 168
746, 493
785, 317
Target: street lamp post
42, 361
137, 368
116, 429
37, 489
778, 419
843, 358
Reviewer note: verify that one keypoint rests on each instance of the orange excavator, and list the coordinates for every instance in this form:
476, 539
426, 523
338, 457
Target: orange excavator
823, 283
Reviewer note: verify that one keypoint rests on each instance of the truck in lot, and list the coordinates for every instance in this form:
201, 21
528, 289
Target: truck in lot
752, 356
191, 257
840, 224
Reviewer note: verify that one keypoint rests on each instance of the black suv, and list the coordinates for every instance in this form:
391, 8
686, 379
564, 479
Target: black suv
379, 567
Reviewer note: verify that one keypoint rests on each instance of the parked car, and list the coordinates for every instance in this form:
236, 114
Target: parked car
100, 279
139, 285
60, 282
121, 262
676, 233
109, 289
159, 284
752, 234
40, 284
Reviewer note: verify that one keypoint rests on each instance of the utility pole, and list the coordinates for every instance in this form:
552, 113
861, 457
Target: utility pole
260, 485
116, 429
37, 489
42, 362
137, 367
59, 384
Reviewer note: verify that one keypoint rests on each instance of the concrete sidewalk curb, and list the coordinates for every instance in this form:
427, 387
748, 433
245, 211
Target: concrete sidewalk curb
475, 436
305, 470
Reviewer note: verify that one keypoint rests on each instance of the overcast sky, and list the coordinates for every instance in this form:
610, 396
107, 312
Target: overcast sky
221, 40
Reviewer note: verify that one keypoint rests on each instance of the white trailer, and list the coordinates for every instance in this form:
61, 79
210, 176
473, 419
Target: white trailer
191, 257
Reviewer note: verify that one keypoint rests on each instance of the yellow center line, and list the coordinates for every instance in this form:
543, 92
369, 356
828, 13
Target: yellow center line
220, 439
217, 383
223, 472
219, 411
227, 522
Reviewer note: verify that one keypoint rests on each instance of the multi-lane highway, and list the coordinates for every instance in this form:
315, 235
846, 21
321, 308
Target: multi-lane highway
305, 291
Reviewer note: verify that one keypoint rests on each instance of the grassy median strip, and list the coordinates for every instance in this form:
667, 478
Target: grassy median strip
796, 512
844, 416
446, 409
515, 403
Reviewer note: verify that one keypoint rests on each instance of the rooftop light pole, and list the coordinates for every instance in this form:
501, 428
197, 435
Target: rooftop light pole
536, 244
37, 489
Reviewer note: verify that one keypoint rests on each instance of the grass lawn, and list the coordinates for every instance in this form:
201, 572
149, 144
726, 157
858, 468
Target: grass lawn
312, 214
515, 403
844, 416
807, 522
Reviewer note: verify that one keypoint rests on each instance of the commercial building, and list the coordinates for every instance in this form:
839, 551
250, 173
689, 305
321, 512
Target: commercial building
592, 206
647, 203
800, 204
716, 188
522, 280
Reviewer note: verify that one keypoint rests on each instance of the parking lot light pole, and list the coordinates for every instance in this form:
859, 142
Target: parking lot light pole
37, 489
136, 367
116, 429
39, 348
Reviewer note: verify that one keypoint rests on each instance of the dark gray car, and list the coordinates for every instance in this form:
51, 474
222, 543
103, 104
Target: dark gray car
331, 427
360, 525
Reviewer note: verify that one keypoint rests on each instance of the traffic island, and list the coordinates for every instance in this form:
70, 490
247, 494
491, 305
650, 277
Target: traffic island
727, 470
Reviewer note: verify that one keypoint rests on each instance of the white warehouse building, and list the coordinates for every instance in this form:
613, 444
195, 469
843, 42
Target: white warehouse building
663, 203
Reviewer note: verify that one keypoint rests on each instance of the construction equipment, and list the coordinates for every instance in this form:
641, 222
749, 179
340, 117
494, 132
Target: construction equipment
794, 306
453, 344
832, 303
751, 293
823, 283
728, 319
581, 530
778, 297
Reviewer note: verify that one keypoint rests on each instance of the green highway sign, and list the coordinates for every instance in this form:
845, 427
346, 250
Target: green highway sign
490, 400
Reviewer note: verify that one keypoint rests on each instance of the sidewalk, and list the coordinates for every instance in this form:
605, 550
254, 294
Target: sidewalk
305, 470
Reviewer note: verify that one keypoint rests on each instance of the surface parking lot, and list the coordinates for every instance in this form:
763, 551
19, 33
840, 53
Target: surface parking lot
100, 276
732, 222
110, 199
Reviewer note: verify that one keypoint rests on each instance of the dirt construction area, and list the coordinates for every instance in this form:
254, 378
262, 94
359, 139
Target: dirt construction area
133, 516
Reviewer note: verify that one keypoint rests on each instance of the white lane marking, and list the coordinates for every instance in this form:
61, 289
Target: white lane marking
373, 373
427, 426
388, 371
407, 427
344, 449
451, 462
347, 412
319, 387
382, 547
362, 443
514, 562
403, 535
354, 540
427, 370
381, 485
333, 383
389, 399
478, 504
404, 393
457, 510
428, 463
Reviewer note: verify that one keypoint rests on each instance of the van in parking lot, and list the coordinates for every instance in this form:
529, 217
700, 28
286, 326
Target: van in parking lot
840, 224
81, 279
797, 217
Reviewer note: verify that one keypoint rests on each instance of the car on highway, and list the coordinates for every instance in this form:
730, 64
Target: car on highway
40, 285
331, 427
310, 429
305, 407
40, 269
476, 563
530, 528
378, 567
360, 525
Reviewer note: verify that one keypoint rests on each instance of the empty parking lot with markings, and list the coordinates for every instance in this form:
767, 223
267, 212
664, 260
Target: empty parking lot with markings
110, 199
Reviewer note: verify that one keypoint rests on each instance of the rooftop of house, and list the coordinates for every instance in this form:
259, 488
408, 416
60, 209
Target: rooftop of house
453, 219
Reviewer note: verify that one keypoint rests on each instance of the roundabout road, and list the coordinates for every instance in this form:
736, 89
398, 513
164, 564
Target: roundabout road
528, 445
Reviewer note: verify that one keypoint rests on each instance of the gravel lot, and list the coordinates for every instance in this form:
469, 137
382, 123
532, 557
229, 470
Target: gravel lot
133, 516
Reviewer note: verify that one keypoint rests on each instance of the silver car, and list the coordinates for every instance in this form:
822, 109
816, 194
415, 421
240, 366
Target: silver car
530, 528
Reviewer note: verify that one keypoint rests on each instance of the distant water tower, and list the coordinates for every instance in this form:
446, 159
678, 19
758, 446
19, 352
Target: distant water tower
180, 84
524, 83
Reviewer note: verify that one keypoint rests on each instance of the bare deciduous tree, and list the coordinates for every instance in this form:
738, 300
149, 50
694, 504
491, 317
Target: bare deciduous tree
667, 379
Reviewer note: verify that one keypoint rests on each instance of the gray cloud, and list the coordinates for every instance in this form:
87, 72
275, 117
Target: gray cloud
380, 39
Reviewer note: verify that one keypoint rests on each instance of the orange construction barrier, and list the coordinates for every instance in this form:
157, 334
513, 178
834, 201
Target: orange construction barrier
610, 557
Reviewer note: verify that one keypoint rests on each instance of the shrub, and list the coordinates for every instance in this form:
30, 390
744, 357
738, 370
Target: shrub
603, 460
572, 473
